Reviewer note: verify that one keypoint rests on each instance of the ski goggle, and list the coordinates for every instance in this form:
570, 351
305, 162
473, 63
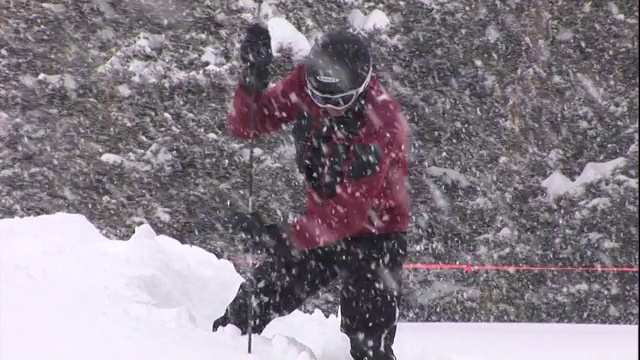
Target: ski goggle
338, 101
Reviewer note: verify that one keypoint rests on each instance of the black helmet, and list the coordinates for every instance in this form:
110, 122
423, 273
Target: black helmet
338, 69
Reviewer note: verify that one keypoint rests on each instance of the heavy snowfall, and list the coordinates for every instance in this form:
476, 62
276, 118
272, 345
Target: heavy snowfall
117, 171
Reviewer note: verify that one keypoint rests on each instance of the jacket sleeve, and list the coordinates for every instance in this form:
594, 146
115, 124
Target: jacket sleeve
275, 107
346, 213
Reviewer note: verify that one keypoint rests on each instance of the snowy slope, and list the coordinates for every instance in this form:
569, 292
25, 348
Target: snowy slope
67, 292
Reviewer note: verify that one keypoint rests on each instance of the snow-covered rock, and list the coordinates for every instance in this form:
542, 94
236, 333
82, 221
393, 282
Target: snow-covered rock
375, 20
558, 184
4, 124
285, 35
209, 56
55, 8
112, 159
449, 176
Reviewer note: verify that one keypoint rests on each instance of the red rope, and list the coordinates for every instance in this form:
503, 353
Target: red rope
512, 268
470, 268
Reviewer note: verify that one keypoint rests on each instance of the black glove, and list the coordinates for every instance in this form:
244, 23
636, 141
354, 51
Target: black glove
256, 56
265, 238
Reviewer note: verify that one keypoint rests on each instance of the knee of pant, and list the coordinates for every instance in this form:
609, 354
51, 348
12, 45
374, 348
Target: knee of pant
375, 312
381, 281
238, 312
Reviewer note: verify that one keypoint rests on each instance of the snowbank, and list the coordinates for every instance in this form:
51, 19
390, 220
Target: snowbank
67, 292
70, 293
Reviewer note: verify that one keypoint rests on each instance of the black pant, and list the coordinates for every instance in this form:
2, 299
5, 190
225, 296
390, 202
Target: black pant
369, 268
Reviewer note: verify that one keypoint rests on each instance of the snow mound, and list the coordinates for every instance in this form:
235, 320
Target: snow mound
70, 293
67, 292
557, 184
375, 20
285, 35
321, 334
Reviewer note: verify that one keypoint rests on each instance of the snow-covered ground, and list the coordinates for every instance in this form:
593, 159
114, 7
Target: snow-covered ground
67, 292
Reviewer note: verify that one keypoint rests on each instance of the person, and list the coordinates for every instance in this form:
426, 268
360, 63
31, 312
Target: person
352, 144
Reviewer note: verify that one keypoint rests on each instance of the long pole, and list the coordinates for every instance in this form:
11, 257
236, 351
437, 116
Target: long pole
252, 115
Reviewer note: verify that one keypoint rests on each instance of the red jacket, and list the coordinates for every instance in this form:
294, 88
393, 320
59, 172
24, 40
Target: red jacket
374, 204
